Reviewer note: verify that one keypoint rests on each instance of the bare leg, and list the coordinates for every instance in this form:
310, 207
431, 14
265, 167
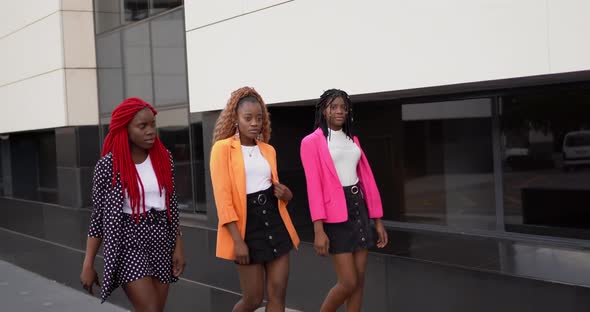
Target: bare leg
347, 282
252, 284
277, 277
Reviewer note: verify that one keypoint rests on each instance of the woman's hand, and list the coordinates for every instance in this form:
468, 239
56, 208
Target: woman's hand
321, 243
282, 192
382, 238
178, 260
88, 278
241, 252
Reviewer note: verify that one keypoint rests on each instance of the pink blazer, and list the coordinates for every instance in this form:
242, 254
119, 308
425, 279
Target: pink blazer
324, 190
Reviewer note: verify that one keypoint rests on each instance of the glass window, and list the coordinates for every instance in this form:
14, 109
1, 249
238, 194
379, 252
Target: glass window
428, 168
109, 60
159, 6
447, 161
47, 164
34, 162
136, 10
174, 132
545, 140
107, 15
168, 48
1, 167
137, 62
199, 166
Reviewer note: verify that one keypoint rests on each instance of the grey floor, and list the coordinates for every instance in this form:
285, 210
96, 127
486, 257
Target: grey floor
24, 291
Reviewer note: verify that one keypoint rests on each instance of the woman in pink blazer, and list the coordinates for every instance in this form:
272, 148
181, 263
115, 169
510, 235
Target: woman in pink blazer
343, 197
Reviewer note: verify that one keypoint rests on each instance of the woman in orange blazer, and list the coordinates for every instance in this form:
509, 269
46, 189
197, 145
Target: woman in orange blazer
255, 229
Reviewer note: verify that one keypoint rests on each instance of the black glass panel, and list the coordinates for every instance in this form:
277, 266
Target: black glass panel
174, 132
136, 10
159, 6
427, 167
545, 144
33, 158
199, 167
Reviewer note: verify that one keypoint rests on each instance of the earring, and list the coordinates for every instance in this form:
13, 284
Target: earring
237, 135
259, 138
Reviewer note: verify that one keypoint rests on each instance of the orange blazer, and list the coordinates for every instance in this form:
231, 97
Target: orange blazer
229, 187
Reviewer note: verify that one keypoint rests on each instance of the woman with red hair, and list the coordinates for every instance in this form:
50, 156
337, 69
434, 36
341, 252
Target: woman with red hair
135, 211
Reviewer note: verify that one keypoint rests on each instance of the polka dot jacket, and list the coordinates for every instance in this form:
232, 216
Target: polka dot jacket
108, 219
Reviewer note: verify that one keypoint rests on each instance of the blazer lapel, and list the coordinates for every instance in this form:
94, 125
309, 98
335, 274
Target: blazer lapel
266, 153
238, 169
326, 157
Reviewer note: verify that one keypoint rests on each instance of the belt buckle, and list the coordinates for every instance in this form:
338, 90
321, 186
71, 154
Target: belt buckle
261, 199
354, 189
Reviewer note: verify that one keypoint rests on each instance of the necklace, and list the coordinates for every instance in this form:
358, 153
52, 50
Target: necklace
251, 151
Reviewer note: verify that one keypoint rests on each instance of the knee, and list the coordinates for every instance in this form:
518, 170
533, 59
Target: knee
349, 285
361, 281
253, 301
277, 292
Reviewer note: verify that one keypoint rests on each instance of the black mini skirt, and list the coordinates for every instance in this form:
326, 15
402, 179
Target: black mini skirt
356, 233
266, 235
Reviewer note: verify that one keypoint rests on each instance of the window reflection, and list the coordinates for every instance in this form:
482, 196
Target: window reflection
136, 10
168, 50
546, 158
138, 62
199, 166
448, 164
107, 15
159, 6
109, 59
174, 132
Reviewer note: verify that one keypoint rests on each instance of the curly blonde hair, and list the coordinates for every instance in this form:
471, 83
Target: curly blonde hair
226, 125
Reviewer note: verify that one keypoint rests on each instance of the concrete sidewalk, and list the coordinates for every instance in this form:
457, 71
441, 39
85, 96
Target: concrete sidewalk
24, 291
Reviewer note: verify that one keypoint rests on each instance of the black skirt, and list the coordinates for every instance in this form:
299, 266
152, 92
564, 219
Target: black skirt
266, 235
356, 233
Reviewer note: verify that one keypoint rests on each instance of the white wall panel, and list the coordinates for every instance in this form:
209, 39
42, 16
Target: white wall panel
15, 15
569, 30
82, 97
32, 51
78, 32
35, 103
296, 50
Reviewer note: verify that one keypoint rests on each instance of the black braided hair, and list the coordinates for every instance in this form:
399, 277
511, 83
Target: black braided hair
325, 100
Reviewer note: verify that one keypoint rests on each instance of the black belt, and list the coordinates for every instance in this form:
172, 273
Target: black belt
260, 198
354, 189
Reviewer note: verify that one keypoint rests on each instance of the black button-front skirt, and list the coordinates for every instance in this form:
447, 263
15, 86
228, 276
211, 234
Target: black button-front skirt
266, 235
356, 233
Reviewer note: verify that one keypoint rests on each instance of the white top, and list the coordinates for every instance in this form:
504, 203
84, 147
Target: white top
258, 176
346, 155
153, 200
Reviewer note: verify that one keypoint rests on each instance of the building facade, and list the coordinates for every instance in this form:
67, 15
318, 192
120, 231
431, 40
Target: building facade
473, 115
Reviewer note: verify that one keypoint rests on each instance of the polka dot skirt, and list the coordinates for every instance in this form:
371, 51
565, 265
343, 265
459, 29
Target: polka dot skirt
131, 251
146, 248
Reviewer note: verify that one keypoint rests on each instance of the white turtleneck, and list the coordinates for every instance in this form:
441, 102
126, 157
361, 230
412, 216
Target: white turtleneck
345, 154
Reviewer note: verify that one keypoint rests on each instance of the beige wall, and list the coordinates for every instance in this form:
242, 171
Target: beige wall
294, 50
47, 56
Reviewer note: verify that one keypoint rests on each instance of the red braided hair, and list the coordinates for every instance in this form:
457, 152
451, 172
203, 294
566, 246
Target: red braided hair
117, 143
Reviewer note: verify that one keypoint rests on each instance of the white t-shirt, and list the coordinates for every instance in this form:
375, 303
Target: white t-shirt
346, 155
258, 176
153, 200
